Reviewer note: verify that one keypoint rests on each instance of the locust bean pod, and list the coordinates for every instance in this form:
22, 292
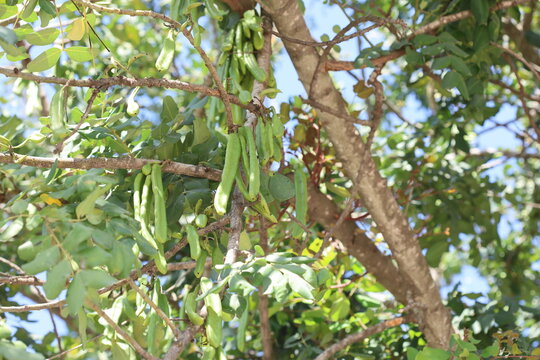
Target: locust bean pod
137, 195
232, 157
160, 213
193, 241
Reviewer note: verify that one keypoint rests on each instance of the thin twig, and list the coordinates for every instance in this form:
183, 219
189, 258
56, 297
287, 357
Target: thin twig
60, 146
12, 265
148, 268
264, 316
127, 82
156, 308
237, 209
263, 60
148, 13
295, 219
354, 338
127, 163
331, 111
337, 40
377, 112
21, 280
520, 58
350, 65
121, 332
346, 211
526, 109
67, 351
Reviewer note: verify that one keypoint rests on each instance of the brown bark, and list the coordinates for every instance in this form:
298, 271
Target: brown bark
111, 163
325, 212
368, 184
240, 6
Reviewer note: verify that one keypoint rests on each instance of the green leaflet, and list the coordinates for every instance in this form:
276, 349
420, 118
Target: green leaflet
43, 261
45, 60
56, 279
81, 53
42, 37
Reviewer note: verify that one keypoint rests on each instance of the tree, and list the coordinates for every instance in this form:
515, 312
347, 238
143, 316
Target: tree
161, 202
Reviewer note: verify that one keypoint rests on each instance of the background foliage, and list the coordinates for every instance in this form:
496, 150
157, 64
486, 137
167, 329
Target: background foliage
280, 275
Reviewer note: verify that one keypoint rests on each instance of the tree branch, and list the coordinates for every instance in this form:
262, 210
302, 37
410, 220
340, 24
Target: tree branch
505, 153
351, 339
156, 308
121, 332
127, 163
148, 268
182, 28
330, 110
325, 212
127, 82
360, 167
350, 65
264, 316
60, 146
21, 280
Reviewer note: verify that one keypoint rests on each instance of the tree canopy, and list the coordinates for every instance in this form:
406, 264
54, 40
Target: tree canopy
167, 192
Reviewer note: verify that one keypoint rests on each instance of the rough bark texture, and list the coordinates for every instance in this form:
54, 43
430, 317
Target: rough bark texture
325, 212
240, 6
368, 184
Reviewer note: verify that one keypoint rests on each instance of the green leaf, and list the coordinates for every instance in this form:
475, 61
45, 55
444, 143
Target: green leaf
298, 285
45, 60
481, 38
441, 63
77, 29
412, 57
43, 261
456, 50
81, 53
83, 324
240, 285
169, 110
340, 308
201, 132
281, 187
423, 40
433, 354
435, 253
29, 9
480, 10
460, 65
76, 236
452, 79
17, 351
14, 228
166, 55
56, 279
75, 295
86, 207
533, 38
8, 35
245, 96
48, 7
96, 278
411, 353
492, 350
43, 37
